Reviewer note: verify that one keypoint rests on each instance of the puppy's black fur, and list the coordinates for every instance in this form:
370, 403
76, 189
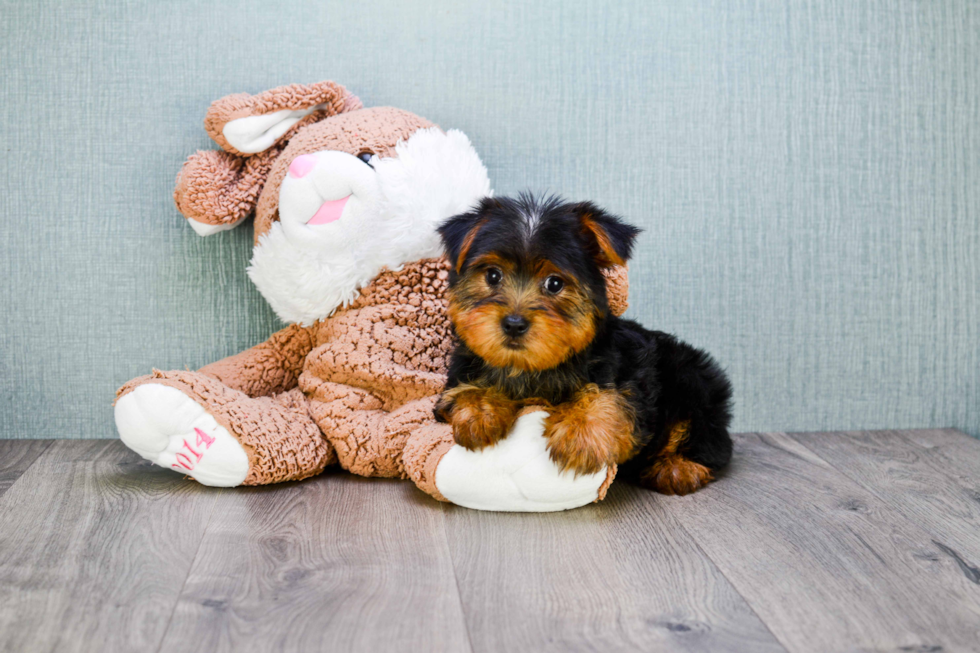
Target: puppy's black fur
664, 381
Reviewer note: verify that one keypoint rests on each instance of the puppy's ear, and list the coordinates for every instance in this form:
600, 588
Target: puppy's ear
609, 239
459, 232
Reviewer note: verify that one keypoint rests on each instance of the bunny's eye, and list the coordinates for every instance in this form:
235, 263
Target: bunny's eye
366, 157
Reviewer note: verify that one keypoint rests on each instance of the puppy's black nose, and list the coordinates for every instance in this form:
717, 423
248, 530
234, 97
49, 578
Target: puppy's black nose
515, 325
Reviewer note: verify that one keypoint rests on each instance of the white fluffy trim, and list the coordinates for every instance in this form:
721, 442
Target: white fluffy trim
303, 285
434, 176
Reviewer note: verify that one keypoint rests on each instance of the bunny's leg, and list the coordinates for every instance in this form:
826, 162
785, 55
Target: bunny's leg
516, 474
194, 424
368, 440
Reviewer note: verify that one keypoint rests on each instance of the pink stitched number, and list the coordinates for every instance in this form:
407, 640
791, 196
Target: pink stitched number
203, 438
183, 460
189, 448
186, 463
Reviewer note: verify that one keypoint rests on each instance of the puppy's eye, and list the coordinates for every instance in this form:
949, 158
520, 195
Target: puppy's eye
366, 157
494, 276
554, 284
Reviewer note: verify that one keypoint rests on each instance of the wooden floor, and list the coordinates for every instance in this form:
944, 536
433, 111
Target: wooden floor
866, 541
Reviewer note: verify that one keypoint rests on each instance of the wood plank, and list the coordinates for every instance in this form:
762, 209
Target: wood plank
104, 451
825, 563
913, 480
16, 456
617, 576
334, 563
93, 555
837, 541
956, 452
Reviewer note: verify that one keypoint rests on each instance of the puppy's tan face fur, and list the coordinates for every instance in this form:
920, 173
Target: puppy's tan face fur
559, 312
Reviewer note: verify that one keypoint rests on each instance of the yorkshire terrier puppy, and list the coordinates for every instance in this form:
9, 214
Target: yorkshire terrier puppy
528, 304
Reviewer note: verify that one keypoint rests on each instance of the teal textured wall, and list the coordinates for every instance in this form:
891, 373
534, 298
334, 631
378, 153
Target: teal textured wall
808, 175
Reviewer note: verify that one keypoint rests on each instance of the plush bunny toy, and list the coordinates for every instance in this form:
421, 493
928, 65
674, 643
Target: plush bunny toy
346, 203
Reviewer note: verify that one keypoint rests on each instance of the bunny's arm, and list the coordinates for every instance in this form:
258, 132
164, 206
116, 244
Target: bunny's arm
216, 190
269, 368
617, 288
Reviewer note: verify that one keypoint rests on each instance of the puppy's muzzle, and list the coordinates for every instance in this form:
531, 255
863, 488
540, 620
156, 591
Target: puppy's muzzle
514, 326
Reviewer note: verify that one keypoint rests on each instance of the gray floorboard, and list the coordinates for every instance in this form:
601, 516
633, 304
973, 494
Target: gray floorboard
617, 576
811, 542
913, 480
336, 563
825, 563
100, 451
956, 453
93, 555
16, 456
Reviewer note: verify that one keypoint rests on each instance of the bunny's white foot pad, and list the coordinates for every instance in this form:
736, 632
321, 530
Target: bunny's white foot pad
515, 475
170, 429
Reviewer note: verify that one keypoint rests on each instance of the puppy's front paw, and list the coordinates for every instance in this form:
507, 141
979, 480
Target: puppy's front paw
480, 416
593, 431
675, 474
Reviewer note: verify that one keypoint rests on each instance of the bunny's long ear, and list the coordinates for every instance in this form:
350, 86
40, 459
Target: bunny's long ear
246, 124
216, 190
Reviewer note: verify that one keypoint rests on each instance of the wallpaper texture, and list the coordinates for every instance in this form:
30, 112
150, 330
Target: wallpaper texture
807, 175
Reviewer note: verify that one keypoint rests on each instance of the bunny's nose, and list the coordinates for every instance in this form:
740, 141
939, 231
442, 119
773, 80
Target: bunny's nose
302, 165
